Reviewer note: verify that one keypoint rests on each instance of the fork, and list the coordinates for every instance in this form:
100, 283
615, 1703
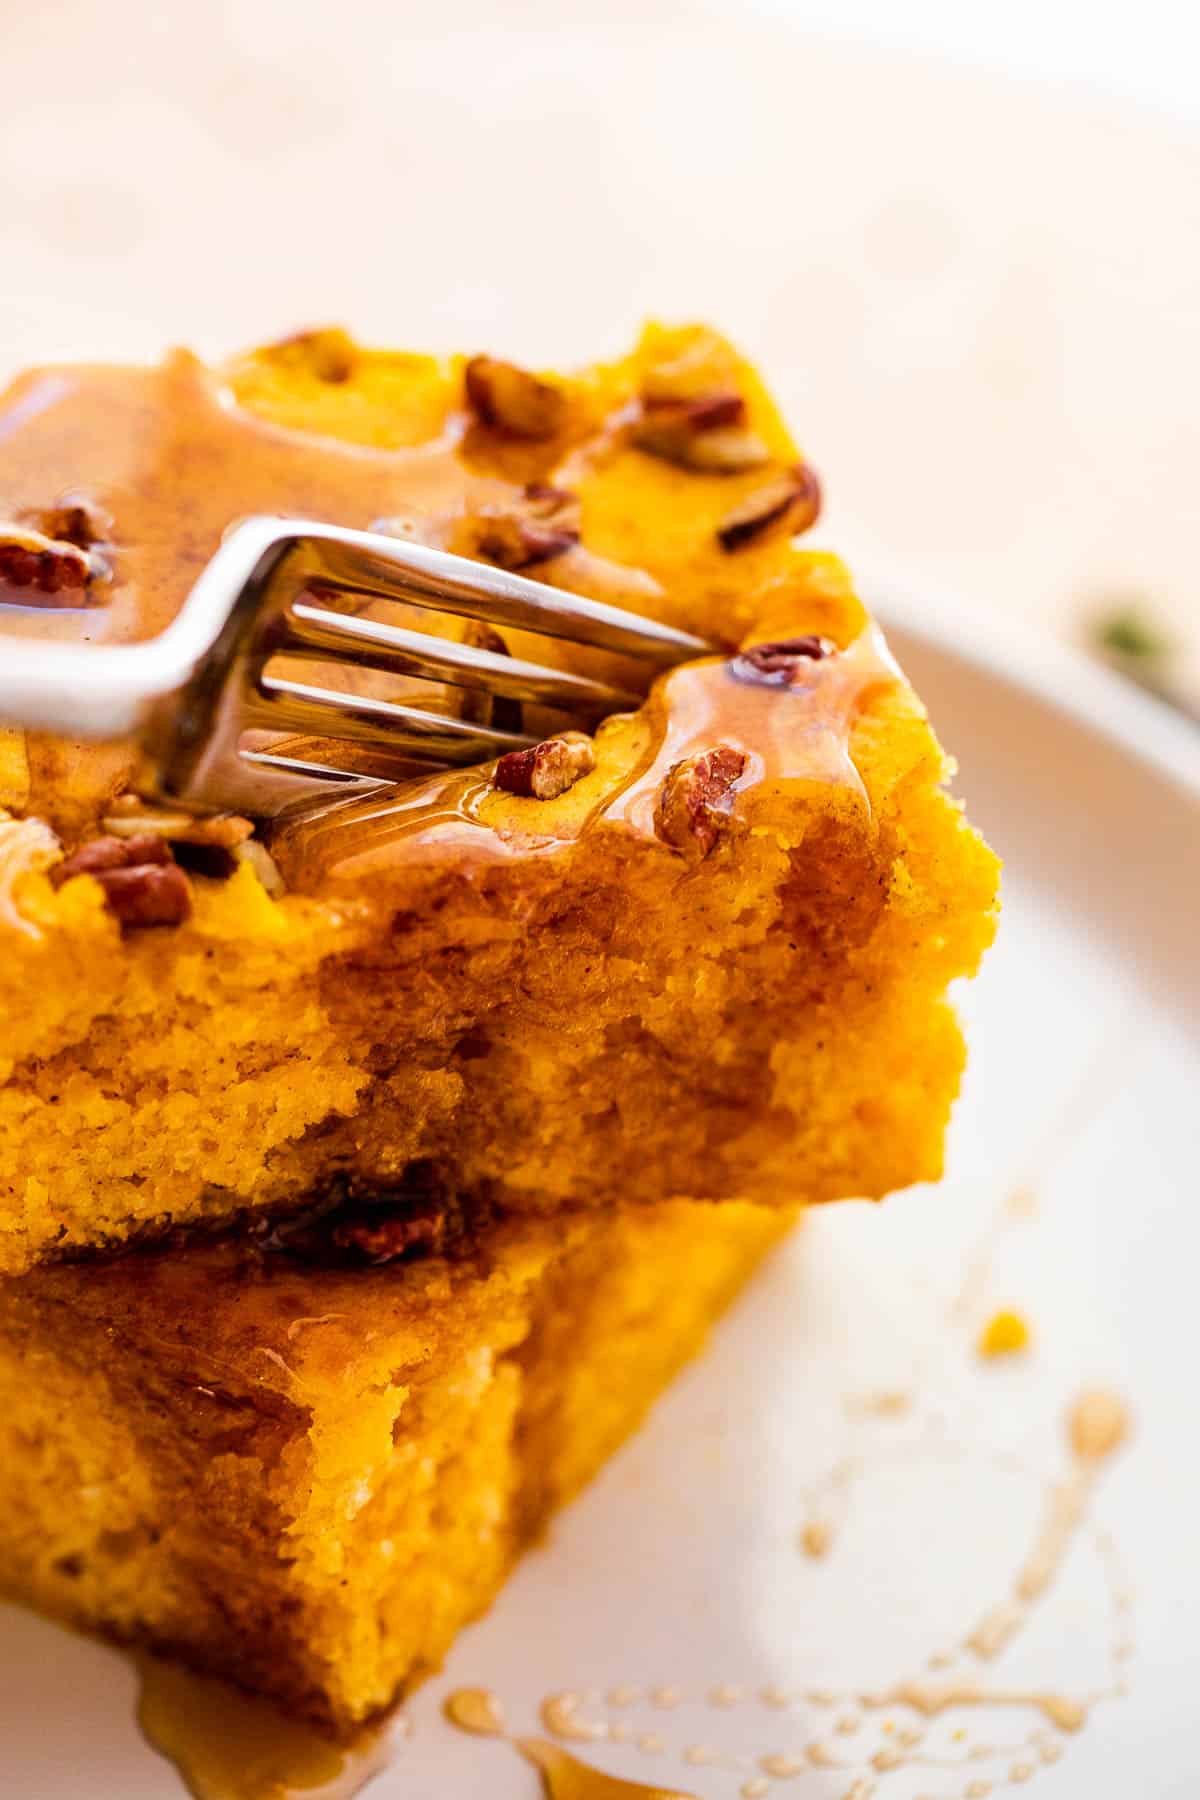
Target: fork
189, 695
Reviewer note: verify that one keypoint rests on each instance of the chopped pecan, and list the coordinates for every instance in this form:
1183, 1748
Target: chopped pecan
131, 817
50, 571
792, 504
328, 351
696, 799
546, 770
707, 433
484, 637
699, 412
775, 665
354, 1222
147, 894
142, 883
542, 524
103, 853
75, 519
687, 364
509, 399
203, 845
217, 861
384, 1237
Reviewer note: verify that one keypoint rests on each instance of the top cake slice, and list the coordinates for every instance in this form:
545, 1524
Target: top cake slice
703, 954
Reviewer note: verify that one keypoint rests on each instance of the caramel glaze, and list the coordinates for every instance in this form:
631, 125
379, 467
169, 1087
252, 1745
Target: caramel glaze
796, 733
792, 735
167, 453
174, 461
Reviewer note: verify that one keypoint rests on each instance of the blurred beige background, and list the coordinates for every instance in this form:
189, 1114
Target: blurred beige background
977, 297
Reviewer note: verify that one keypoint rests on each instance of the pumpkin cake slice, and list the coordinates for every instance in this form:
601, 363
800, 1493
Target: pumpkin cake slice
307, 1478
703, 954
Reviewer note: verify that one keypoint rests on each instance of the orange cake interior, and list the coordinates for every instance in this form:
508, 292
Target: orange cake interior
307, 1478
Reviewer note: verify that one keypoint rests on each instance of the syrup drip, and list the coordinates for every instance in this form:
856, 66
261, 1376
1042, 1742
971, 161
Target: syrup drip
792, 736
352, 840
564, 1777
1096, 1426
816, 1538
229, 1745
169, 456
624, 1694
479, 1712
173, 460
781, 1767
560, 1716
930, 1700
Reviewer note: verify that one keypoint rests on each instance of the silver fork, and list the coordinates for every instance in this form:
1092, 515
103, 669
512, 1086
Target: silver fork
190, 695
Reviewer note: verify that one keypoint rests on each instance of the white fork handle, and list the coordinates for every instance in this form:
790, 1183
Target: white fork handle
80, 690
106, 690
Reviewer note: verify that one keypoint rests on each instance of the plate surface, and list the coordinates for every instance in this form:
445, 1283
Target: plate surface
843, 1404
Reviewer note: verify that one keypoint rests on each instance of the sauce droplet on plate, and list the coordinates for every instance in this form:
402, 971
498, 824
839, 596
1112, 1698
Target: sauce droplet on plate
477, 1710
564, 1777
1097, 1424
230, 1745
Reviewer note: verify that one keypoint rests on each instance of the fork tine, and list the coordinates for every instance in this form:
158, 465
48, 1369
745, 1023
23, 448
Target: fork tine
322, 712
399, 569
374, 644
193, 691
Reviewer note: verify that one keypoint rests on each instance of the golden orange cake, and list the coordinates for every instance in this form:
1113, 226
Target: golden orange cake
701, 955
308, 1478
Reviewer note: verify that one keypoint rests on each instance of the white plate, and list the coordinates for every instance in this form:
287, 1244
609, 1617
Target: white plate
681, 1567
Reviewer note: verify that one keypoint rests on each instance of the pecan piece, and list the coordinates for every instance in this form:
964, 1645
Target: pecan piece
383, 1238
50, 571
131, 817
542, 524
696, 799
684, 364
791, 504
142, 883
327, 351
506, 398
204, 845
707, 433
775, 665
545, 770
75, 519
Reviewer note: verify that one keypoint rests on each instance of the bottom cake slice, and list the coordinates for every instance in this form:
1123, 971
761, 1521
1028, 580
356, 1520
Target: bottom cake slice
309, 1478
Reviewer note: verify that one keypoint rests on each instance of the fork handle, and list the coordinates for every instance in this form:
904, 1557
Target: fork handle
85, 690
106, 691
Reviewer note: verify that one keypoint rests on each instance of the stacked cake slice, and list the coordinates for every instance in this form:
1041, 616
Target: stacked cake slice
355, 1174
